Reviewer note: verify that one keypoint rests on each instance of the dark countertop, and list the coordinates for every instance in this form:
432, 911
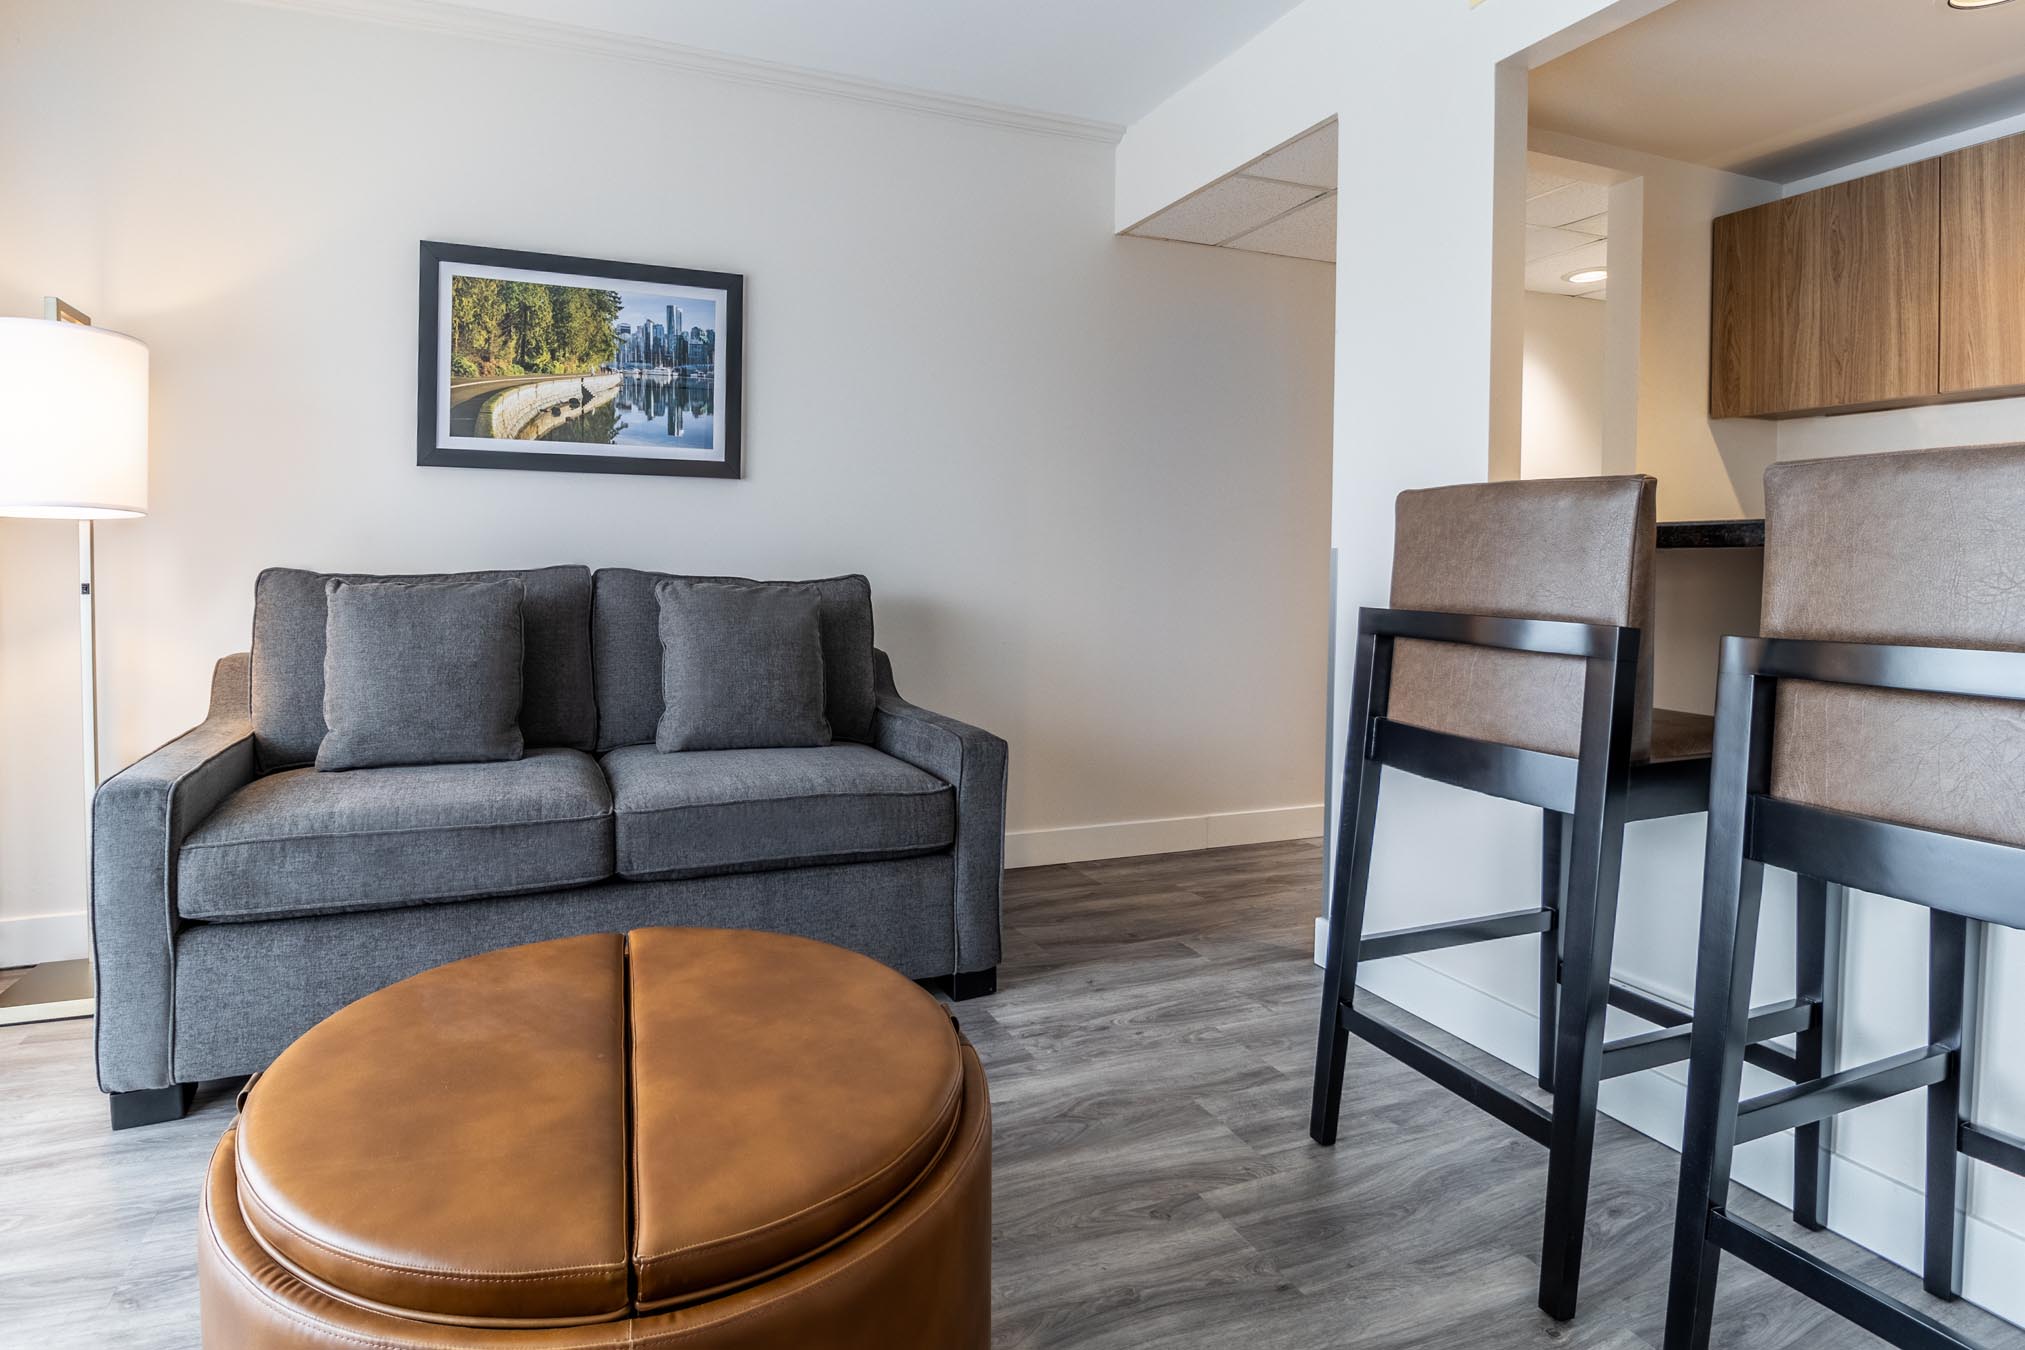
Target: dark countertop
1712, 534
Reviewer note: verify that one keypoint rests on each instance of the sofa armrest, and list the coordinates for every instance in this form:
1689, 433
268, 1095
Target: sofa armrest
140, 817
974, 763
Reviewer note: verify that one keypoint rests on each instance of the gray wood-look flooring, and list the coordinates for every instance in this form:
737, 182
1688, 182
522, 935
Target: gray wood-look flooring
1149, 1051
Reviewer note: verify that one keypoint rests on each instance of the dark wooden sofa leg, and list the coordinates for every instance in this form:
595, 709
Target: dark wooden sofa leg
969, 984
151, 1106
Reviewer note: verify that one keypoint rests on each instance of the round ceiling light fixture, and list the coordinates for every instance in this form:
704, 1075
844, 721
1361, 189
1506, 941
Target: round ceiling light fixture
1588, 276
1973, 4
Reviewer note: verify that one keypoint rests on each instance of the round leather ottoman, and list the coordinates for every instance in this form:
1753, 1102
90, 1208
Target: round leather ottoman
678, 1137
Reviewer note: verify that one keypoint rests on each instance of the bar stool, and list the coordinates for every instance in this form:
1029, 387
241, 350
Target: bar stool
1512, 663
1871, 739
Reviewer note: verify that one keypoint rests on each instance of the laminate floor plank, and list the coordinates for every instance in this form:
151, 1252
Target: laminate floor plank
1150, 1050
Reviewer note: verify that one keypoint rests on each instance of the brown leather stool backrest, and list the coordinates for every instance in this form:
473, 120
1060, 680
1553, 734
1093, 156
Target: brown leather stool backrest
1577, 549
1922, 549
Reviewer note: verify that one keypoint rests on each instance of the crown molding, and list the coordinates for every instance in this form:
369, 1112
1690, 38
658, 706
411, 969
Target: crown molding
439, 16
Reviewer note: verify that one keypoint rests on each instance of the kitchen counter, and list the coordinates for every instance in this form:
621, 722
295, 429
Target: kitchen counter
1711, 534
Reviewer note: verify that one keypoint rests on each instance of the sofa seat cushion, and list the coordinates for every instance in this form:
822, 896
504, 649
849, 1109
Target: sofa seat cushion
303, 842
700, 812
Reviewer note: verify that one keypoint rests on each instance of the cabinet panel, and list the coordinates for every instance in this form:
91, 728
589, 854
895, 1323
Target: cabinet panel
1983, 267
1830, 299
1765, 325
1877, 274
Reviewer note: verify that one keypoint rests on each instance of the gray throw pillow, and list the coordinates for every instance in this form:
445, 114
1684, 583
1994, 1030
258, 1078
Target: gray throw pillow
741, 667
421, 672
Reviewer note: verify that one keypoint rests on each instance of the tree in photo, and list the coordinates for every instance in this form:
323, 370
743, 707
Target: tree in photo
505, 328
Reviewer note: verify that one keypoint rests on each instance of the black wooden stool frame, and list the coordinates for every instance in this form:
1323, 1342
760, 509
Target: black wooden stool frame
1586, 802
1965, 882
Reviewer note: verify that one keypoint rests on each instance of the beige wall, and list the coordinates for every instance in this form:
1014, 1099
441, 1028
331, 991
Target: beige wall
1561, 403
1088, 476
1659, 333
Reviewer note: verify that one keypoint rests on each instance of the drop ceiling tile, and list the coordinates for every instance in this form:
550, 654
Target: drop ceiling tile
1598, 224
1543, 241
1307, 233
1546, 273
1576, 201
1594, 253
1539, 182
1224, 210
1311, 160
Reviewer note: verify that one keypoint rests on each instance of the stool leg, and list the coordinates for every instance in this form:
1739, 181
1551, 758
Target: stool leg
1732, 887
1349, 881
1953, 960
1817, 947
1590, 918
1553, 885
1595, 856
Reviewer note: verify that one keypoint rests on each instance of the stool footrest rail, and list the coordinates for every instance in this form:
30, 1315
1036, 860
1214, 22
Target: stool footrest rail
1529, 1118
1806, 1103
1434, 937
1669, 1045
1994, 1147
1872, 1309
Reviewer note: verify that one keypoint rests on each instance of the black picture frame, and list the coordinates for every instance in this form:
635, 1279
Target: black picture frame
431, 346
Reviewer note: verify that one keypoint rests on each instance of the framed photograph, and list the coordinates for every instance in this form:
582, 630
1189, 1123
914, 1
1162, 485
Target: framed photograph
577, 365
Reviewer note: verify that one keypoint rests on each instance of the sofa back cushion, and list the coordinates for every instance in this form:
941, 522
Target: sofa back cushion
557, 707
741, 667
626, 645
422, 672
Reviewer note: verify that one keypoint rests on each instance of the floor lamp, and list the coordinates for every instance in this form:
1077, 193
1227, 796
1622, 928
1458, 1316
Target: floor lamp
73, 446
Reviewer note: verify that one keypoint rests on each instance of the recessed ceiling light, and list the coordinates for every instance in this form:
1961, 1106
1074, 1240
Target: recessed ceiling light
1973, 4
1588, 276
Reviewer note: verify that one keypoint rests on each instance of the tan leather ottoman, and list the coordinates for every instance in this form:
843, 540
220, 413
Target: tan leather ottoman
680, 1137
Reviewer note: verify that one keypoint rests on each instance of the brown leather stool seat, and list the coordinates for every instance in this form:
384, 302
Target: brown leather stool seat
1678, 735
678, 1137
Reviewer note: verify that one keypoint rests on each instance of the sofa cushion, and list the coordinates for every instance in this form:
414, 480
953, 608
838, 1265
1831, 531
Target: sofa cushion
421, 672
626, 640
303, 842
698, 812
741, 667
289, 618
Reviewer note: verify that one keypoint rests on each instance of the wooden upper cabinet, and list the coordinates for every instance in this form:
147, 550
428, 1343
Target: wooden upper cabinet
1983, 268
1766, 324
1878, 272
1830, 299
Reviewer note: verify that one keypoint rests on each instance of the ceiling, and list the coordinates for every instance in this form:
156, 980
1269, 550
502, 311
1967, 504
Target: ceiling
1283, 202
1112, 61
1567, 224
1783, 89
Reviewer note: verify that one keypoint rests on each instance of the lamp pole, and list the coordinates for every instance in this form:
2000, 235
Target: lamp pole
87, 652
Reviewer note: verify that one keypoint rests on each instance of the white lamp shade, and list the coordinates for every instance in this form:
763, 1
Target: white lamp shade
74, 434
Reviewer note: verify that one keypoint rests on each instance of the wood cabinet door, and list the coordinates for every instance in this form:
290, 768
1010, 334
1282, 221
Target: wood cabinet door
1876, 271
1829, 299
1765, 325
1983, 267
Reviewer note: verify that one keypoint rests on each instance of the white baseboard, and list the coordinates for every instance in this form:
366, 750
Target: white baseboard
1176, 834
1865, 1206
31, 939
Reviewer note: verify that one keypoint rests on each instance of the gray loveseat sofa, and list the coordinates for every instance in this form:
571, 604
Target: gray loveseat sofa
239, 895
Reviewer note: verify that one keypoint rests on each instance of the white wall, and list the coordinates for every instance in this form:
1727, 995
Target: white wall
1417, 90
1561, 419
958, 382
